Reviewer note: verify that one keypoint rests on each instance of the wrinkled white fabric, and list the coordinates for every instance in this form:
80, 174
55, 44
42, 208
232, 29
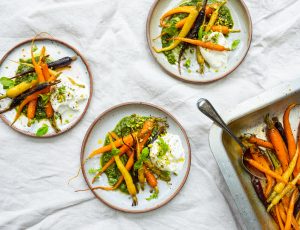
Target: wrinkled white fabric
111, 34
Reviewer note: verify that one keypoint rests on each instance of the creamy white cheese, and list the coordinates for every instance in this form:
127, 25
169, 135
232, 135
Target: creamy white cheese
167, 153
216, 59
67, 94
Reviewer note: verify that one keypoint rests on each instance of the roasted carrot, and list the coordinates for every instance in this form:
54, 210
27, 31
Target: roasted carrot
207, 45
288, 130
128, 166
123, 150
278, 143
31, 109
257, 156
27, 100
128, 180
223, 29
33, 104
282, 211
180, 24
181, 9
281, 226
214, 17
260, 142
183, 32
151, 179
48, 108
261, 168
289, 188
286, 175
128, 140
290, 210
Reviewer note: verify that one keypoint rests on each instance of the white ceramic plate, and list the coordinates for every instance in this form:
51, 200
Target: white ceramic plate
115, 199
242, 21
79, 71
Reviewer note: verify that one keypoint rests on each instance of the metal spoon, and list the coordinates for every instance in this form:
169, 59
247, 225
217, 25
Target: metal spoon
207, 109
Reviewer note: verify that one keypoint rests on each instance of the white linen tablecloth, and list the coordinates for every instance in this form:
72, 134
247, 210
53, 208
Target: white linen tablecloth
111, 34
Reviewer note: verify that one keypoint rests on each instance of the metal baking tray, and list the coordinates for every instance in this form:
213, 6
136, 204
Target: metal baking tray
248, 118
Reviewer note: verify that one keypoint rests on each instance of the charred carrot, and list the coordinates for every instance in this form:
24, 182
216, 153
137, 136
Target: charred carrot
27, 100
266, 171
278, 143
207, 45
260, 142
290, 210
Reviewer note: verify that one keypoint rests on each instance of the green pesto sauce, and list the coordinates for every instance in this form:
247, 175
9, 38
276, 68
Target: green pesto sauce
225, 18
125, 126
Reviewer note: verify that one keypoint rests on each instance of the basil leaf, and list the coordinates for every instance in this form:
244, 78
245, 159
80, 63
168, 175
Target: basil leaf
7, 82
42, 130
235, 44
144, 155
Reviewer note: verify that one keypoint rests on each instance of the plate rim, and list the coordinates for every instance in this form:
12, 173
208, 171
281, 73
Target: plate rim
90, 79
91, 127
178, 76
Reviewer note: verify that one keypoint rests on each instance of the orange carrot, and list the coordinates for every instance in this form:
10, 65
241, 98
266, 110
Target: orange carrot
180, 23
290, 210
288, 131
282, 212
279, 218
31, 109
260, 142
33, 104
128, 140
223, 29
207, 45
27, 100
123, 150
151, 179
266, 171
45, 71
257, 156
278, 143
48, 108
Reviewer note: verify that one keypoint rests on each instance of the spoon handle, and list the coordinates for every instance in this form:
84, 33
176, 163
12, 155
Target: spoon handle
207, 109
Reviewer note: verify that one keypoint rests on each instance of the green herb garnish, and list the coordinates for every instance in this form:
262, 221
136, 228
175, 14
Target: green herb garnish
45, 98
235, 44
93, 171
144, 155
42, 131
7, 82
187, 64
154, 195
163, 147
